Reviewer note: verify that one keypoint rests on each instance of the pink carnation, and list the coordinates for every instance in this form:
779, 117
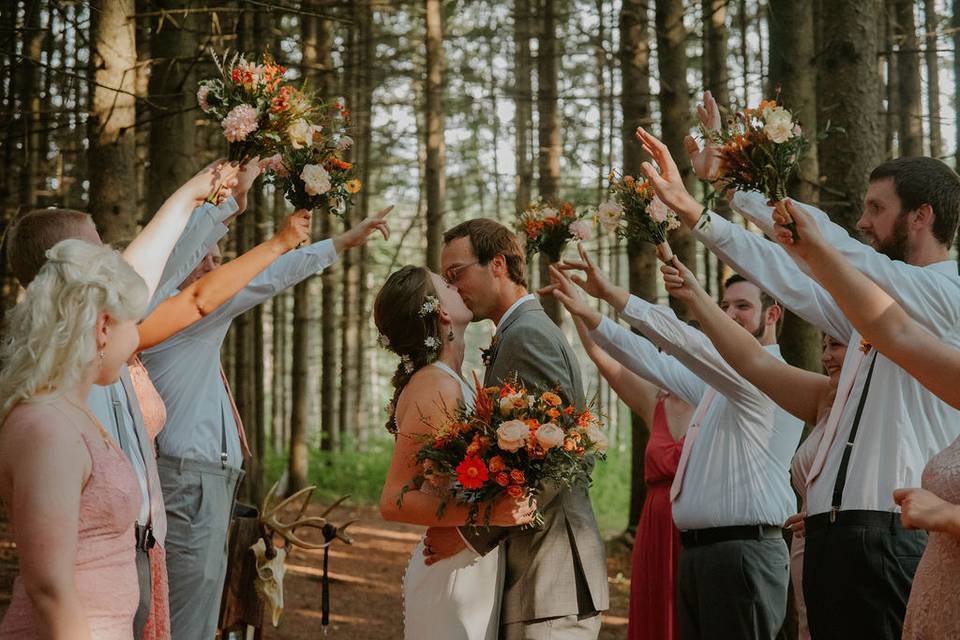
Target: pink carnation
239, 123
581, 229
658, 210
275, 164
202, 93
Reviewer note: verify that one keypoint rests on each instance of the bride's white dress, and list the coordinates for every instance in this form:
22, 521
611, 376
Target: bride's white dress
457, 598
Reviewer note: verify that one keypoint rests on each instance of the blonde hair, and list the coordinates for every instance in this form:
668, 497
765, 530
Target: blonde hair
50, 335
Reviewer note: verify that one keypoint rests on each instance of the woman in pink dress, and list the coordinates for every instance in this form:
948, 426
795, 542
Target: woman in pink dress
71, 494
656, 548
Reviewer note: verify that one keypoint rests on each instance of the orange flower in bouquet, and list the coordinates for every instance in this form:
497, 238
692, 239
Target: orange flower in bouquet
511, 442
549, 226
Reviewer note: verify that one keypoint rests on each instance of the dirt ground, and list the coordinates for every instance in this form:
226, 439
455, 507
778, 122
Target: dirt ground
365, 596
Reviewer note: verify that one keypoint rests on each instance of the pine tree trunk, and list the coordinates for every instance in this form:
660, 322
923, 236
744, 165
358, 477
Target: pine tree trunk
635, 104
329, 418
435, 178
172, 91
892, 89
110, 126
523, 100
548, 107
955, 25
849, 95
30, 104
908, 68
675, 112
933, 78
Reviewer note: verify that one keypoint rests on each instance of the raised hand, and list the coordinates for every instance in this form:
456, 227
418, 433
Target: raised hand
295, 231
361, 232
796, 230
921, 509
668, 183
709, 113
562, 289
596, 283
681, 283
214, 182
705, 161
248, 173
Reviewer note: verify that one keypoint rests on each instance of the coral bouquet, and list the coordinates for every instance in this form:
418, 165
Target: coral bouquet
549, 226
513, 442
635, 213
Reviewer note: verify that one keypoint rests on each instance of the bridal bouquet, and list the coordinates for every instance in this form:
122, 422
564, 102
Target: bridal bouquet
253, 104
549, 226
759, 149
309, 168
512, 442
635, 212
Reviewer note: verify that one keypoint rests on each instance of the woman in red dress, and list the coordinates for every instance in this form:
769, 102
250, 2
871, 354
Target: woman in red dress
656, 548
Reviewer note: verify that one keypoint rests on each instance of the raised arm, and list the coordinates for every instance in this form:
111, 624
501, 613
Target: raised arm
428, 397
212, 290
799, 392
45, 465
149, 251
636, 393
874, 313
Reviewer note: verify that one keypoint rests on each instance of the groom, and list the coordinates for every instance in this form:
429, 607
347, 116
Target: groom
556, 579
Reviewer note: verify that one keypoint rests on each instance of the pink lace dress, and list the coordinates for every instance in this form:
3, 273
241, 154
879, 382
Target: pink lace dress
154, 418
106, 571
933, 611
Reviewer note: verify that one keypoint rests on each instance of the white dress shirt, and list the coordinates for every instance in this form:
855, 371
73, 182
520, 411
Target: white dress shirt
738, 469
903, 425
513, 308
185, 368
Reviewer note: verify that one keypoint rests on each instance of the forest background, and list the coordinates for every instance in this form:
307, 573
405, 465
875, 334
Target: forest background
460, 109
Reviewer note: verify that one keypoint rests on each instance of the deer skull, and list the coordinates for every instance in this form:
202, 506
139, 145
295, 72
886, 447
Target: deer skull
270, 572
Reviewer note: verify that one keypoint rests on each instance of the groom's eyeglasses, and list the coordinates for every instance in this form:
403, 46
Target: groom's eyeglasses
452, 274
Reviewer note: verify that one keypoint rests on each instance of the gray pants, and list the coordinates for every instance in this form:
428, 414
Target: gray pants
735, 589
145, 580
582, 627
198, 497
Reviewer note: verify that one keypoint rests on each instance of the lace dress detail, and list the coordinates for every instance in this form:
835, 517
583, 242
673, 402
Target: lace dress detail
457, 598
935, 596
106, 571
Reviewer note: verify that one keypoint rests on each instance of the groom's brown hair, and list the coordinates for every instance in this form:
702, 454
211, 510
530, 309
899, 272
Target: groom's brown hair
489, 239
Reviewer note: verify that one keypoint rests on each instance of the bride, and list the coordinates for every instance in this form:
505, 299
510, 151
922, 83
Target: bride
422, 319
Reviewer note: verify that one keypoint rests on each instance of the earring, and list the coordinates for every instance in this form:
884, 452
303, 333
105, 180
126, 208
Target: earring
450, 335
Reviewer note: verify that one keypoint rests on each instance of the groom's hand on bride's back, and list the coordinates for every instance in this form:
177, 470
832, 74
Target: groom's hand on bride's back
441, 543
360, 233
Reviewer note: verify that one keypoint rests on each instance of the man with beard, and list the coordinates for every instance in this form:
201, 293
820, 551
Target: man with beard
731, 493
883, 426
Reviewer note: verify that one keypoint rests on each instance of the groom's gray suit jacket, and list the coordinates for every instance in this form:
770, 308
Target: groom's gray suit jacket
560, 569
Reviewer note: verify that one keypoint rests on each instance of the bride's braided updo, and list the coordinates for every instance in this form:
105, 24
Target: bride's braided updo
406, 313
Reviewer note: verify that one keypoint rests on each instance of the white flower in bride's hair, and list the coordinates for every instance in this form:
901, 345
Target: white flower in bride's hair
407, 363
778, 125
431, 343
608, 215
581, 229
316, 180
430, 305
383, 341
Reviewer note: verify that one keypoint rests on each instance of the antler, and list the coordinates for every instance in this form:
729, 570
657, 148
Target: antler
287, 530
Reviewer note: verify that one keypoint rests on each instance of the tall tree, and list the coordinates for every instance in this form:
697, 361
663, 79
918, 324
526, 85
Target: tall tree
30, 100
548, 108
892, 88
849, 94
675, 110
635, 101
110, 126
435, 178
955, 25
792, 68
908, 69
933, 77
523, 100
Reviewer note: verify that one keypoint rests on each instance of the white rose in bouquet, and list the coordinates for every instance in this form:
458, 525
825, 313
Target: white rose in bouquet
597, 436
301, 133
549, 435
512, 435
778, 125
316, 180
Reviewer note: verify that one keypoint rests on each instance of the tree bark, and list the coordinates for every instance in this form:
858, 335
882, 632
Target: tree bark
675, 112
110, 126
849, 95
30, 100
635, 101
955, 25
908, 68
523, 99
892, 89
435, 178
933, 78
792, 68
548, 108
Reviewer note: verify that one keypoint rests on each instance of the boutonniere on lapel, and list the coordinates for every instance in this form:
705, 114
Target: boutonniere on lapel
865, 345
487, 354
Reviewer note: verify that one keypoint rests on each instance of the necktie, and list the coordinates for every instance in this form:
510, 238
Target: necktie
692, 431
833, 420
236, 415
